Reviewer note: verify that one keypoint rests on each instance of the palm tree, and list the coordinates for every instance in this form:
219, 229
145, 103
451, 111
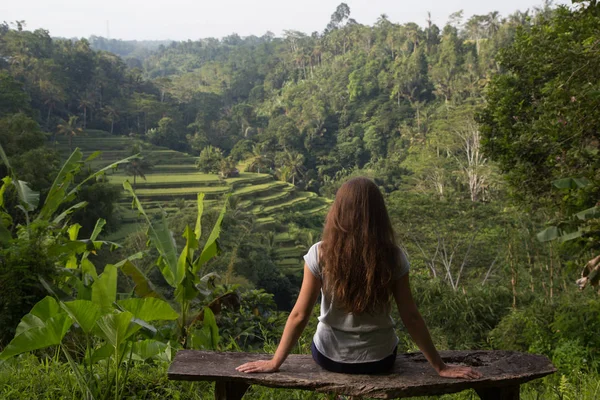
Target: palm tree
475, 29
111, 114
70, 130
87, 101
259, 158
283, 173
493, 23
295, 163
138, 166
52, 96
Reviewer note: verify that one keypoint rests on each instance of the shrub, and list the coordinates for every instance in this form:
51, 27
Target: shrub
565, 330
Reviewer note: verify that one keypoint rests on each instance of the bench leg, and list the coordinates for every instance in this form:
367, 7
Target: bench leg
230, 390
501, 393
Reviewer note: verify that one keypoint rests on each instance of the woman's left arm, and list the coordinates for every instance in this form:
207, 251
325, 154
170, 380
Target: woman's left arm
296, 322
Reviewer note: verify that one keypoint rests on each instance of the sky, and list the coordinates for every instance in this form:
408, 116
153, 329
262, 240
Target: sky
195, 19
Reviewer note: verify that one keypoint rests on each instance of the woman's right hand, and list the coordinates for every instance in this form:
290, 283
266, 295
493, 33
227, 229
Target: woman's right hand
459, 372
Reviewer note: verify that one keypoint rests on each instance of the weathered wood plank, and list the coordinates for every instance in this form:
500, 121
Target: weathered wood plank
412, 375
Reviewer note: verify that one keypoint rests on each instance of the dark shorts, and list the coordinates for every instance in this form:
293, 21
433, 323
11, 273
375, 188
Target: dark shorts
374, 367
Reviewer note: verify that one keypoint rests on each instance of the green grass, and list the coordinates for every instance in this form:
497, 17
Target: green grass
287, 252
289, 204
316, 210
265, 220
254, 189
274, 197
181, 190
290, 262
168, 178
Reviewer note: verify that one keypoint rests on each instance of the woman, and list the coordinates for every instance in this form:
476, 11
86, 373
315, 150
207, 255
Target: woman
357, 268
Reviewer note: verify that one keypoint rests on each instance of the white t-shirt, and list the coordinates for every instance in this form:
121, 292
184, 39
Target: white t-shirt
349, 338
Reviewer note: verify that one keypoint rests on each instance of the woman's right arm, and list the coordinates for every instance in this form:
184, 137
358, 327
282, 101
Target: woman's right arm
412, 319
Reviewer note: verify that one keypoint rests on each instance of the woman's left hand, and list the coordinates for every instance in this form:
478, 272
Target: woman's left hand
258, 366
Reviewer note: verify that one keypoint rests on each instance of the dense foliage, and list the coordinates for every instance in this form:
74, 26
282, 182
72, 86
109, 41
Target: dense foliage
479, 133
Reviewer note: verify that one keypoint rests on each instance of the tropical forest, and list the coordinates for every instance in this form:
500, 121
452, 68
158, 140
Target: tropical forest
160, 195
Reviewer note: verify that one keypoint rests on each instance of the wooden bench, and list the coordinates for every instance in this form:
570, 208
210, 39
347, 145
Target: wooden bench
503, 372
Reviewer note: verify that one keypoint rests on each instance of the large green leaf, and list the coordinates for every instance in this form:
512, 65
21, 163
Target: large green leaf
200, 204
548, 234
143, 287
29, 198
58, 191
6, 182
137, 256
187, 255
104, 290
211, 248
69, 211
4, 158
93, 156
29, 321
163, 240
187, 289
100, 172
565, 237
593, 212
85, 313
88, 269
117, 327
211, 323
101, 353
41, 312
46, 308
149, 309
147, 349
206, 338
50, 334
571, 183
98, 229
74, 231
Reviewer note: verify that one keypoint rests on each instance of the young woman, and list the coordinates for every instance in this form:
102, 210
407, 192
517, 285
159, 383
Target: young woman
358, 268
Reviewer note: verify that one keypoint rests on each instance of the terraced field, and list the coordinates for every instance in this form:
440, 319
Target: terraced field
174, 178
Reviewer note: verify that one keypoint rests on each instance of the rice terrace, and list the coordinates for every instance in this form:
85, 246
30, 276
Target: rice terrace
174, 182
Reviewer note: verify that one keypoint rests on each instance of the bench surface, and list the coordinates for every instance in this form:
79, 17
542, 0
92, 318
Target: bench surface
412, 374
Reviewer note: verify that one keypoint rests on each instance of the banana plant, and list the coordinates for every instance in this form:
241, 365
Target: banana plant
587, 223
557, 232
183, 271
62, 191
109, 328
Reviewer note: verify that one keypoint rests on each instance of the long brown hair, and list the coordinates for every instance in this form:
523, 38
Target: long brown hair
359, 251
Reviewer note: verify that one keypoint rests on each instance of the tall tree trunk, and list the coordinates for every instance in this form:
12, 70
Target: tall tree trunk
84, 117
112, 125
48, 118
551, 274
513, 273
529, 261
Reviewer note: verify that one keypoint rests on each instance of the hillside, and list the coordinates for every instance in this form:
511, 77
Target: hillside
174, 178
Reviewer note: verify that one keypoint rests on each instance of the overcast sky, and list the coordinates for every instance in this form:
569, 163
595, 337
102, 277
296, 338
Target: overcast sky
194, 19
